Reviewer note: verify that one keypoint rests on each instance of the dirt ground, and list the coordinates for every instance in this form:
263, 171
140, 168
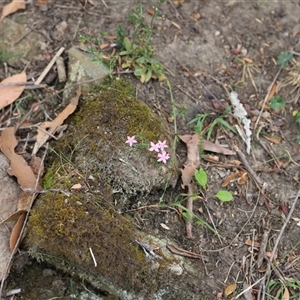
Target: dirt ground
199, 43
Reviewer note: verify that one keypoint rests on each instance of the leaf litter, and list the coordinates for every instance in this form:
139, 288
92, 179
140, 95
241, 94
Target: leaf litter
12, 7
27, 175
11, 88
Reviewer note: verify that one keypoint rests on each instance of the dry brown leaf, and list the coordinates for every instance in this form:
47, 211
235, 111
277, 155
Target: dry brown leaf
286, 294
243, 178
176, 25
187, 174
16, 231
229, 178
12, 7
48, 129
150, 11
229, 289
272, 91
18, 166
41, 2
14, 217
182, 252
209, 146
76, 186
192, 144
248, 60
252, 243
273, 139
10, 93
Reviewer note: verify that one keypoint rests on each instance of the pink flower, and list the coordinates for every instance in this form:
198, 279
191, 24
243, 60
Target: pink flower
162, 145
163, 156
131, 140
154, 147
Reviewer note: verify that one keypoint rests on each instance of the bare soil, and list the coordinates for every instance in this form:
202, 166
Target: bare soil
199, 42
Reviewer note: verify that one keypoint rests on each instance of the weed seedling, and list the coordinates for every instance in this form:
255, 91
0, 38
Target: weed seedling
199, 121
134, 54
201, 178
277, 103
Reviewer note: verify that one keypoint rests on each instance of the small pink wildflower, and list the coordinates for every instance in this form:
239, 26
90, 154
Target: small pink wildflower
154, 147
163, 157
131, 140
162, 145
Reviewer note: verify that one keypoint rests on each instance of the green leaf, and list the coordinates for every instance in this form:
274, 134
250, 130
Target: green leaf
148, 76
298, 138
201, 177
141, 60
127, 43
202, 222
210, 129
225, 124
297, 117
122, 53
224, 196
284, 58
277, 103
187, 215
139, 72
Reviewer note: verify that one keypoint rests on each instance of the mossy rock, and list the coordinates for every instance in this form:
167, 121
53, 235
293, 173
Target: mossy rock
82, 231
96, 142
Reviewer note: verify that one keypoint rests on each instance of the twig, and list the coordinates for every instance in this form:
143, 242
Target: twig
178, 15
295, 53
248, 288
104, 3
262, 249
189, 207
247, 166
276, 246
51, 63
27, 32
266, 99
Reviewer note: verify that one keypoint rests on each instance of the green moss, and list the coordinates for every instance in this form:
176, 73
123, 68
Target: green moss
113, 103
98, 131
69, 224
66, 228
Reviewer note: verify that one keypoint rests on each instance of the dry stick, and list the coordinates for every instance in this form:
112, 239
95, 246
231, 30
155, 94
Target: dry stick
104, 3
261, 185
27, 32
247, 166
24, 224
178, 15
276, 246
189, 207
51, 63
266, 98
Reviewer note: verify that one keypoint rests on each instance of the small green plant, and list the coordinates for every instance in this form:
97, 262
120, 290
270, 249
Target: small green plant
201, 178
189, 215
277, 103
284, 58
199, 121
134, 53
287, 289
4, 55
